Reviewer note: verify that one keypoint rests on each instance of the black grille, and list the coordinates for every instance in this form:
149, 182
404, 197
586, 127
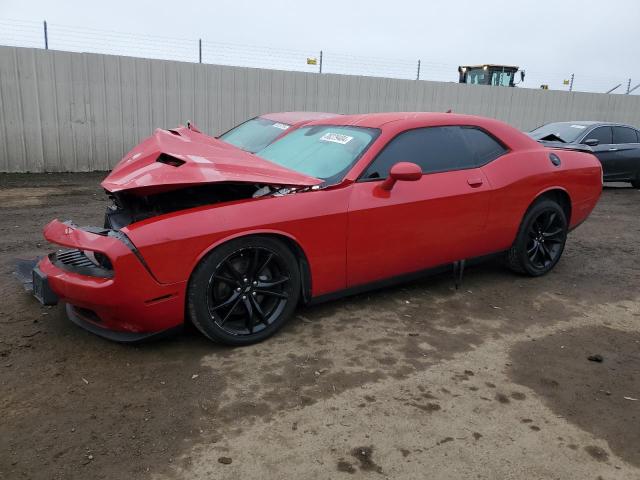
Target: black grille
76, 261
75, 258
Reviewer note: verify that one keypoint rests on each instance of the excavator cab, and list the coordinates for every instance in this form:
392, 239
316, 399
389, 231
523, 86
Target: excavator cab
497, 75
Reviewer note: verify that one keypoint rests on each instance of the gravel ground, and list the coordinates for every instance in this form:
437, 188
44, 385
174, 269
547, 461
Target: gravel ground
489, 381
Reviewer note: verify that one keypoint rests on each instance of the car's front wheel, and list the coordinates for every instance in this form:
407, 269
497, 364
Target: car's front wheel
541, 239
244, 290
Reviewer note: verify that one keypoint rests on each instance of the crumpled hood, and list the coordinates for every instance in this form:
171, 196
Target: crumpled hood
200, 160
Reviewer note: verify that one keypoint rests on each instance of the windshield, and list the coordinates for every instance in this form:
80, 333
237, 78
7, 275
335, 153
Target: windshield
566, 132
477, 76
254, 134
322, 151
502, 79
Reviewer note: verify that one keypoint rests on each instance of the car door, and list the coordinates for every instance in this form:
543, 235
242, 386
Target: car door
626, 155
605, 150
417, 224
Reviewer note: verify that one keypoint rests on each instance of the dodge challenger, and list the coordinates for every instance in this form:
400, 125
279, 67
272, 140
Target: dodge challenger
233, 242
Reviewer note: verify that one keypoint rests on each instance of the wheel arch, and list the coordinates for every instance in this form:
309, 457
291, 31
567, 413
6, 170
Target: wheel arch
559, 195
289, 240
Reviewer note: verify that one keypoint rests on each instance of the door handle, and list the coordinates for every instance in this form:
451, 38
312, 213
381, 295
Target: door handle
613, 149
474, 181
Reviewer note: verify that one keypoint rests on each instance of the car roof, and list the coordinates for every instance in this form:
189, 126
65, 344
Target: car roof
377, 120
291, 118
391, 123
588, 123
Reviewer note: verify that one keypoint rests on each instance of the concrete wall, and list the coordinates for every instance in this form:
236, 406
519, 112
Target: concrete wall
62, 111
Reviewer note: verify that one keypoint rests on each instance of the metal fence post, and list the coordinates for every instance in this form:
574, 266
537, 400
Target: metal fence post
612, 89
628, 86
320, 67
418, 74
199, 50
46, 36
571, 82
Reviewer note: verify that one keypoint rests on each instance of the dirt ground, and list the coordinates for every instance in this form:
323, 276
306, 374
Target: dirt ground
419, 381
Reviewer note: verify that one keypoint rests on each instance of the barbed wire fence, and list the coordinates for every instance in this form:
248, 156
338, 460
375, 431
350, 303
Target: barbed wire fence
23, 33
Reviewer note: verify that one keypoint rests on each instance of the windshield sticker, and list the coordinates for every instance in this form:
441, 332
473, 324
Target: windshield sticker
581, 127
336, 138
281, 126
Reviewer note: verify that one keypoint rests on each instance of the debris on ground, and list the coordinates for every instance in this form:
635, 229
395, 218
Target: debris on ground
595, 358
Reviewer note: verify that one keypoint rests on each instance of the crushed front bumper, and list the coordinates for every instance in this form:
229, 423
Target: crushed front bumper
124, 302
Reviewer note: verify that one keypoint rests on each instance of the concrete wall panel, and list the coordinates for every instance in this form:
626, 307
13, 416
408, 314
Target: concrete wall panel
62, 111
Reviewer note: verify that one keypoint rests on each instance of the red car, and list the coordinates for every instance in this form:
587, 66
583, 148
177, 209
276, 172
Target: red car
258, 132
234, 241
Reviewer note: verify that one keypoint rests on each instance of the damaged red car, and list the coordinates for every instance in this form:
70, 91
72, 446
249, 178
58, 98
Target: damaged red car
234, 241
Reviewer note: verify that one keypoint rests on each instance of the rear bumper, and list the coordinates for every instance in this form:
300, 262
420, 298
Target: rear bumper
129, 305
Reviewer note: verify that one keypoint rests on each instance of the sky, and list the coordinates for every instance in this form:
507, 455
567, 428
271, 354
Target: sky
597, 41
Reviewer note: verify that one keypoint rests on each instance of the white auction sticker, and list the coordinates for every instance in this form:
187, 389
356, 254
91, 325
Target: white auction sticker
581, 127
336, 138
281, 126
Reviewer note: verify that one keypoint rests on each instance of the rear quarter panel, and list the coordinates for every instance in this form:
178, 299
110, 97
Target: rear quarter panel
519, 178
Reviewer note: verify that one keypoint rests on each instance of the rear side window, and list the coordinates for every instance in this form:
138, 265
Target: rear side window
434, 149
437, 149
485, 148
624, 135
602, 134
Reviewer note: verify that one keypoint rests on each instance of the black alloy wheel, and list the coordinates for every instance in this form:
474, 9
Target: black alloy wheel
546, 239
541, 239
244, 290
247, 291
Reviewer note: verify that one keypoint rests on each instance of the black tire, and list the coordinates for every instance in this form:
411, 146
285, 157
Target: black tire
636, 183
540, 240
244, 290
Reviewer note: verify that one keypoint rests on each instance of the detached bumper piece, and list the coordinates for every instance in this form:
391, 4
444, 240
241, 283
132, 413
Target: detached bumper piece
41, 289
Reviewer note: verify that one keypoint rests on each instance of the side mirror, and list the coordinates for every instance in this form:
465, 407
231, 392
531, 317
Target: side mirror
405, 171
592, 142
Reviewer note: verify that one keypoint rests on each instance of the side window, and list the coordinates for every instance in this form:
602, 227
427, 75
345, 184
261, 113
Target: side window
484, 146
624, 135
602, 134
434, 149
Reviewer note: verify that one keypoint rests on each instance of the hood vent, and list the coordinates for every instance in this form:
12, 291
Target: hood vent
169, 160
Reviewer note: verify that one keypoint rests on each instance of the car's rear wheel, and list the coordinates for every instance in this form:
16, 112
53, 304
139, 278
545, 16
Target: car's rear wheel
540, 241
244, 290
636, 183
